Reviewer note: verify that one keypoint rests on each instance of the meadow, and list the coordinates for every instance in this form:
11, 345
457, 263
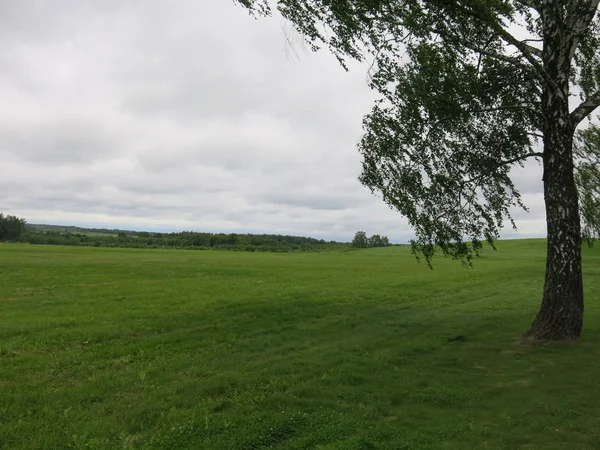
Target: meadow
178, 349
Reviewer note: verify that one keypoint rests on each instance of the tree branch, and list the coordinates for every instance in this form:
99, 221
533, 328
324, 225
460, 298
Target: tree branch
509, 59
536, 135
260, 7
505, 108
585, 108
504, 163
580, 15
533, 50
530, 53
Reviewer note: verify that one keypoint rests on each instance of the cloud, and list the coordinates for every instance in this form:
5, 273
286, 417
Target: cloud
185, 115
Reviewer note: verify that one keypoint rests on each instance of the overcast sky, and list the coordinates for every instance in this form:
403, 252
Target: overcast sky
186, 115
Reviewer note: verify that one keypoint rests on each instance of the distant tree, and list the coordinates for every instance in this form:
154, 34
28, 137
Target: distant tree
11, 227
378, 241
375, 241
360, 240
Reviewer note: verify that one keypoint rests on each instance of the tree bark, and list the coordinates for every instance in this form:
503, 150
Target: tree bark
561, 314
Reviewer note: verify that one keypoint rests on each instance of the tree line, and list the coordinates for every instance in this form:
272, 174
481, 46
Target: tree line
15, 229
182, 240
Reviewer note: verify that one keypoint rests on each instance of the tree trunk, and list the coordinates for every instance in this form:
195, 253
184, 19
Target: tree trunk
561, 313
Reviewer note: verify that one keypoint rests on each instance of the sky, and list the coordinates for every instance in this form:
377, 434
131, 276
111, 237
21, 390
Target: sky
187, 115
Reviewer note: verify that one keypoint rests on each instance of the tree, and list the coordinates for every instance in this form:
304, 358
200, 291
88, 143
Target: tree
360, 240
11, 227
375, 241
378, 241
468, 89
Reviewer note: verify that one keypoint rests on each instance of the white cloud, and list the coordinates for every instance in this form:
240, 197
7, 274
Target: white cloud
179, 115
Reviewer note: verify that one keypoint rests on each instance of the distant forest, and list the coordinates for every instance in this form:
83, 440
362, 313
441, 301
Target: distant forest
15, 229
102, 237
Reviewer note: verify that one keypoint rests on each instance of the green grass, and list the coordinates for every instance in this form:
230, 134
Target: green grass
119, 348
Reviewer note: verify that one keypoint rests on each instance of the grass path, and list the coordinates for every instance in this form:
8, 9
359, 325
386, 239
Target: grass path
120, 348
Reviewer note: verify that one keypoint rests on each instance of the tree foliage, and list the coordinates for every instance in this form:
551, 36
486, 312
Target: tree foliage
11, 227
362, 241
464, 89
379, 241
587, 177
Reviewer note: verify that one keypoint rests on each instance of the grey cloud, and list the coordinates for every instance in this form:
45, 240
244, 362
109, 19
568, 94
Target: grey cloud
184, 115
528, 179
61, 140
331, 202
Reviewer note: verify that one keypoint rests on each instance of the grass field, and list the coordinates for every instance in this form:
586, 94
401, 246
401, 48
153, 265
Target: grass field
117, 348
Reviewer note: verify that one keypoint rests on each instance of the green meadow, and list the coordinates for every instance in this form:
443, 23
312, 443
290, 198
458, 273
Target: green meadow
178, 349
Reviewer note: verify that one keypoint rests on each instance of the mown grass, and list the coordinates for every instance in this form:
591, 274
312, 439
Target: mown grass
118, 348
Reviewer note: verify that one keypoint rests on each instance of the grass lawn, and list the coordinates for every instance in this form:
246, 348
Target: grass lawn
118, 348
